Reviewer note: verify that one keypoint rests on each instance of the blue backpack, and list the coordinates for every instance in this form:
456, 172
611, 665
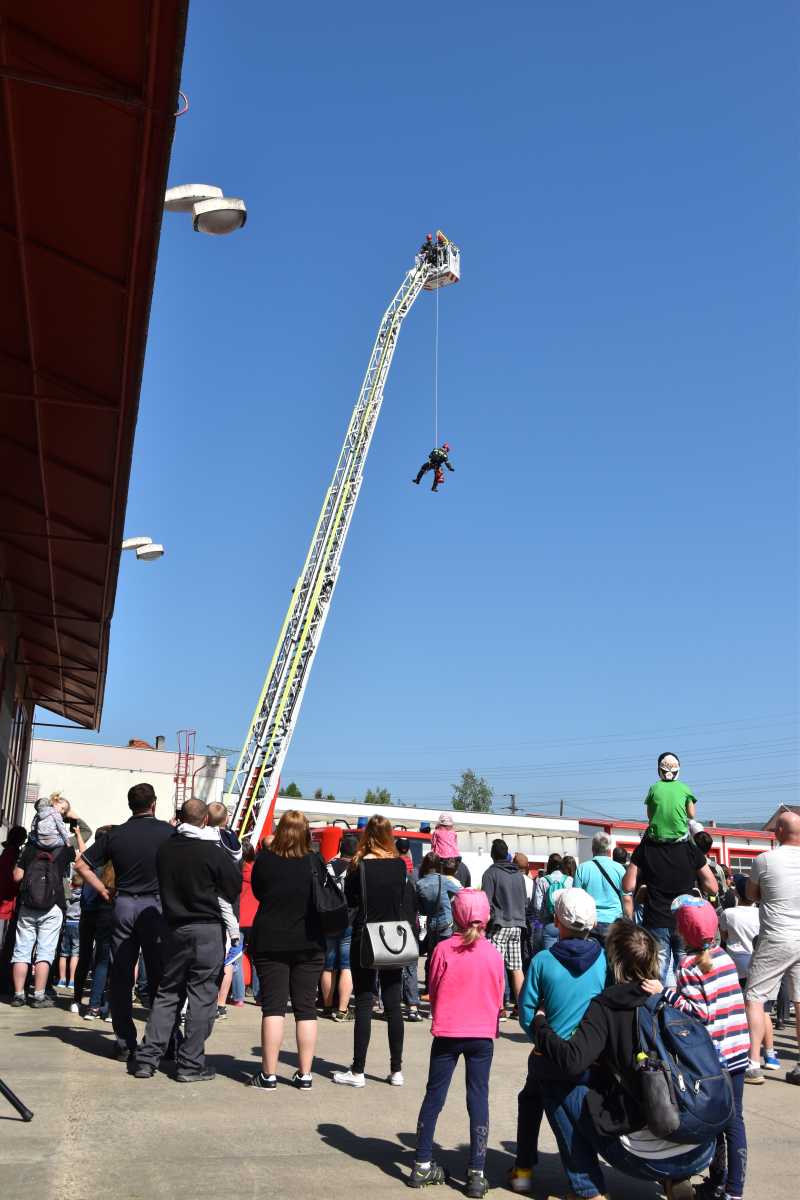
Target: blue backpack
686, 1093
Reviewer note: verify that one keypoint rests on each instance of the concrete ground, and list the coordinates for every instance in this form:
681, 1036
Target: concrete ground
98, 1132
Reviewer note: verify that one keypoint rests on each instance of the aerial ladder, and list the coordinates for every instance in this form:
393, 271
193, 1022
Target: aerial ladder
258, 770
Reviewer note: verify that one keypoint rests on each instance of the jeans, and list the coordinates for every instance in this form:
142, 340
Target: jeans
729, 1164
337, 951
579, 1144
671, 953
138, 925
530, 1111
549, 935
237, 981
102, 960
410, 985
86, 932
364, 980
445, 1053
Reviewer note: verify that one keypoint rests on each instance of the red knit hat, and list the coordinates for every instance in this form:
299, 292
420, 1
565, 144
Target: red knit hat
697, 924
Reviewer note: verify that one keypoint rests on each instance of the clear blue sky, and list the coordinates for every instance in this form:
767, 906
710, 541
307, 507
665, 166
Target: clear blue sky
613, 569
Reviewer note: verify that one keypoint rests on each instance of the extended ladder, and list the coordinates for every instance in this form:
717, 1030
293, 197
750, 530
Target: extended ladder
259, 767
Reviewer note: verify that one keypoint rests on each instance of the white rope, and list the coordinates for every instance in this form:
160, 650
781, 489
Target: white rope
436, 374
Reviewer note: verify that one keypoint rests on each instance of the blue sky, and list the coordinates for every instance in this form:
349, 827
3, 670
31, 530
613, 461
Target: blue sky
613, 569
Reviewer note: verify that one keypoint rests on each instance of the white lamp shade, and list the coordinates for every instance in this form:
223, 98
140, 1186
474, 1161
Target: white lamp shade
134, 543
184, 198
148, 553
219, 216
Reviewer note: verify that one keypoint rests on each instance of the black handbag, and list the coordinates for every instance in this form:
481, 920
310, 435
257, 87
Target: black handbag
328, 901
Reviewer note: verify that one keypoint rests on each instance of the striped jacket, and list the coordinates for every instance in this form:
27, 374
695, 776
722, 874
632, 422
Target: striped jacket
716, 999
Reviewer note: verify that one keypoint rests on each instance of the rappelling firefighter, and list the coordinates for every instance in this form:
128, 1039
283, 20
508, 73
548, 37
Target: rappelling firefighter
437, 460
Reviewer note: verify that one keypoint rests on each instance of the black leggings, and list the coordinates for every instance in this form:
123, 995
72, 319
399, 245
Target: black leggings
391, 992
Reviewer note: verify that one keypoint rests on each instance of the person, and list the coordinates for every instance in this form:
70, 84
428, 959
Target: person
541, 884
707, 986
467, 982
337, 948
192, 876
739, 928
601, 877
620, 855
520, 860
775, 883
667, 870
91, 907
40, 915
462, 873
598, 1115
561, 981
248, 907
427, 250
9, 886
435, 888
505, 890
670, 803
404, 850
101, 916
704, 843
437, 460
287, 946
70, 938
444, 839
138, 926
376, 889
567, 872
49, 830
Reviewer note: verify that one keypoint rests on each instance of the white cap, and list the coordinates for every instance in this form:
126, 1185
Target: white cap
576, 908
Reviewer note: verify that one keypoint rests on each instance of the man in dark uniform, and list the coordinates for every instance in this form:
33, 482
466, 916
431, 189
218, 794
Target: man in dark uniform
437, 459
138, 924
427, 250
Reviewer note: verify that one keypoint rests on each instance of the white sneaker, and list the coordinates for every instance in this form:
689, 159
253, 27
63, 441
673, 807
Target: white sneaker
73, 1008
349, 1079
396, 1079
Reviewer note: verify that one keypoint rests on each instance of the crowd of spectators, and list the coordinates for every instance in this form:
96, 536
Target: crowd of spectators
172, 912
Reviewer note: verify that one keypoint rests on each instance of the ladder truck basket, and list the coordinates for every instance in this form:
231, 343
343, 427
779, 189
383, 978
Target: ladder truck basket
447, 268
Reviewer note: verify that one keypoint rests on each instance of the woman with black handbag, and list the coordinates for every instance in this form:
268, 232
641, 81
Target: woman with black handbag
382, 905
287, 945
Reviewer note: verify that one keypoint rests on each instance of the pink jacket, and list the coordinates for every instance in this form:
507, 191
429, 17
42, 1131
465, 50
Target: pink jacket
444, 842
466, 989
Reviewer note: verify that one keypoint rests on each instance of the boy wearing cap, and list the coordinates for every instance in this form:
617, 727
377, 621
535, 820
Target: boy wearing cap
670, 803
562, 981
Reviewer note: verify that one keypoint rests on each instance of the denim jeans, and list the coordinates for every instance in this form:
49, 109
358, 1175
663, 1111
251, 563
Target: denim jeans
445, 1053
579, 1144
410, 985
237, 981
729, 1164
671, 953
102, 958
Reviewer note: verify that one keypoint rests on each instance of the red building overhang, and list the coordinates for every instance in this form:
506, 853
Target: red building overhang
88, 94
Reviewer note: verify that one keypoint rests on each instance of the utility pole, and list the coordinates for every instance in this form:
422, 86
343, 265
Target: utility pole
561, 808
512, 807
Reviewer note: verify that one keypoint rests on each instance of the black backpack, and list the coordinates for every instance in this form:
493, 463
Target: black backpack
42, 883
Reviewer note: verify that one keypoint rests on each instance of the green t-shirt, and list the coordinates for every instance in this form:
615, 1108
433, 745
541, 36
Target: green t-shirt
666, 809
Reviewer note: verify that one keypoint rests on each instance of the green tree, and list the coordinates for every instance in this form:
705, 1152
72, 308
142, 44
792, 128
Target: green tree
472, 794
378, 796
330, 796
292, 791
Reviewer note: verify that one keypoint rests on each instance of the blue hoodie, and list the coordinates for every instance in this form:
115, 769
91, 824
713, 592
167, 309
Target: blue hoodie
563, 981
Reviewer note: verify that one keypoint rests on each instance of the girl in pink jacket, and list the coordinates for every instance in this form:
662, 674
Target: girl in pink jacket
467, 982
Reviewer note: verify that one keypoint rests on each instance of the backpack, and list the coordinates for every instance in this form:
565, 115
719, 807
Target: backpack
327, 898
41, 883
554, 886
685, 1092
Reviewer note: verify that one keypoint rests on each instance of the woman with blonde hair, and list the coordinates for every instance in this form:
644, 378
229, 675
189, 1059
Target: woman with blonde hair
287, 946
376, 889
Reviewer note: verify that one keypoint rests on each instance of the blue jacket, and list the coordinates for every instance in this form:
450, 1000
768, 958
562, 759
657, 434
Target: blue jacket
563, 981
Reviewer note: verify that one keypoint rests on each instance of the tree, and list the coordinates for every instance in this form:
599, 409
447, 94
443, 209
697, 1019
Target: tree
292, 791
378, 796
472, 794
318, 794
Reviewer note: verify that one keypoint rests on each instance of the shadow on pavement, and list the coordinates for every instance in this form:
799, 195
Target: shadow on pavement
379, 1152
99, 1042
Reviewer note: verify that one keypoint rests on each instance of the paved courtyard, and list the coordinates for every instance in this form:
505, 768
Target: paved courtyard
98, 1132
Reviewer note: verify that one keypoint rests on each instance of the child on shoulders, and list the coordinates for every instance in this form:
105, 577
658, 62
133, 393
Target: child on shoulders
670, 803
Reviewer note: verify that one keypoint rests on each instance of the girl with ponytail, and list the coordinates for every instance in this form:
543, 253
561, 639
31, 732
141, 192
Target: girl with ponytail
467, 983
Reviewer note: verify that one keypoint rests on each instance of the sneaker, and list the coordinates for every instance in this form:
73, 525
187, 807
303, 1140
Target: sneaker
91, 1014
237, 1003
70, 986
107, 1017
222, 1012
520, 1180
62, 983
266, 1083
18, 1000
196, 1076
42, 1002
477, 1184
706, 1190
771, 1061
414, 1015
426, 1176
303, 1082
74, 1008
349, 1078
144, 1071
341, 1016
233, 955
793, 1076
753, 1074
396, 1079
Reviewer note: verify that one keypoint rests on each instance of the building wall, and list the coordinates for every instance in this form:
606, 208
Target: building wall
16, 715
96, 778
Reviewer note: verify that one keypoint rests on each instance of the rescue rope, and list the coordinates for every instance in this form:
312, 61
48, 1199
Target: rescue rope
436, 373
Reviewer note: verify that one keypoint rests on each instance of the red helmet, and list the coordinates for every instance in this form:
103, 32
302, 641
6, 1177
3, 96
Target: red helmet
445, 445
428, 237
